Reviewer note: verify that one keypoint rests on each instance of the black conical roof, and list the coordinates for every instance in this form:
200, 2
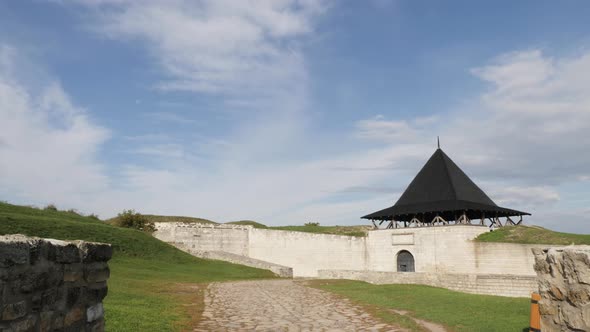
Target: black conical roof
442, 188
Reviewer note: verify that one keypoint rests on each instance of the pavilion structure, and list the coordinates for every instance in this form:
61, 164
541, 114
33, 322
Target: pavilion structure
442, 194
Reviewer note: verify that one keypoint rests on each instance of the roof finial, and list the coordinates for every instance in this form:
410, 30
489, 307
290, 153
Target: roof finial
438, 142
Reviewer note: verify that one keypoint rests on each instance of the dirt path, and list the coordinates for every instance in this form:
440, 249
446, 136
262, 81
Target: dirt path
281, 305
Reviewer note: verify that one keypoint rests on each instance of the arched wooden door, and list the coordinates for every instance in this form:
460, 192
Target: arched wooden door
405, 261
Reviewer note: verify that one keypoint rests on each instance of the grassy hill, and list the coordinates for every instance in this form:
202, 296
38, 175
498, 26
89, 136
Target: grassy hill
147, 288
337, 230
532, 235
248, 223
156, 218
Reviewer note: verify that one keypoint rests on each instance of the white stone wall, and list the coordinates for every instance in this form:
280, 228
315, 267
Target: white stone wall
205, 237
439, 250
446, 249
307, 253
449, 249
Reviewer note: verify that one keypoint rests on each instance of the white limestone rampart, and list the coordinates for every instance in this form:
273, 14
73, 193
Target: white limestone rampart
205, 237
437, 251
307, 253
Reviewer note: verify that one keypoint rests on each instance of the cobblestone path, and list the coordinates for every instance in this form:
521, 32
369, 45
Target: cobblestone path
281, 305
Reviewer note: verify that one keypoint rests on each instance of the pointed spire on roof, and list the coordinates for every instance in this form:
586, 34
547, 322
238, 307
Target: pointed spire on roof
438, 142
441, 187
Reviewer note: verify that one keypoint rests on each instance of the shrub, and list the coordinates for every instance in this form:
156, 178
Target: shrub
73, 211
132, 219
94, 216
50, 207
311, 224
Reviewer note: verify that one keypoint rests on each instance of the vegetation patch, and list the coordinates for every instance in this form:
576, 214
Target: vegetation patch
358, 231
532, 235
248, 223
154, 218
454, 310
145, 272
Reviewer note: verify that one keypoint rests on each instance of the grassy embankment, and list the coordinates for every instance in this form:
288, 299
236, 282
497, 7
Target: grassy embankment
532, 235
456, 311
148, 286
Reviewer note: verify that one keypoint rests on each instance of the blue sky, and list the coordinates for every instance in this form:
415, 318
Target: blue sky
291, 111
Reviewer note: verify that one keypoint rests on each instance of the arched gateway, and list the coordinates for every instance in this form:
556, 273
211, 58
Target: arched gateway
405, 261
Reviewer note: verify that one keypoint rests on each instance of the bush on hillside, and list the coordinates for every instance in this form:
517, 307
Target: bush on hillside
50, 207
94, 216
73, 211
311, 224
132, 219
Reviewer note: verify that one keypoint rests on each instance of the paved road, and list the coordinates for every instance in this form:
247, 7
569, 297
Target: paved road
281, 305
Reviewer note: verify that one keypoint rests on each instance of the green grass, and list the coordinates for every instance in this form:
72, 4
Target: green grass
155, 218
532, 235
337, 230
456, 311
248, 223
145, 272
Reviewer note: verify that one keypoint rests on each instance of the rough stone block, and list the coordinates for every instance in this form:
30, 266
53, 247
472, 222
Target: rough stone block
14, 311
73, 272
73, 296
95, 312
565, 303
46, 321
66, 253
75, 315
49, 298
40, 278
95, 326
51, 285
95, 252
96, 272
95, 294
14, 250
24, 324
58, 322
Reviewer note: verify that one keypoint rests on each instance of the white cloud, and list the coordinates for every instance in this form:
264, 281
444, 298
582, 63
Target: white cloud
383, 130
525, 196
522, 137
245, 48
169, 117
48, 144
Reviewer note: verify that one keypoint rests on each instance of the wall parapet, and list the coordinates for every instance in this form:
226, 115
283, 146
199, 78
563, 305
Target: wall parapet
564, 286
177, 224
48, 285
487, 284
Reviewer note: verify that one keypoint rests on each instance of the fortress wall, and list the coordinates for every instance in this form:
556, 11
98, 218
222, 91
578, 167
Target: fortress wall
51, 285
307, 253
508, 258
483, 268
443, 249
449, 249
204, 237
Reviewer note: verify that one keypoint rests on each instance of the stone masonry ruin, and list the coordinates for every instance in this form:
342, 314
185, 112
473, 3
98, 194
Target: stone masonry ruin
564, 285
51, 285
